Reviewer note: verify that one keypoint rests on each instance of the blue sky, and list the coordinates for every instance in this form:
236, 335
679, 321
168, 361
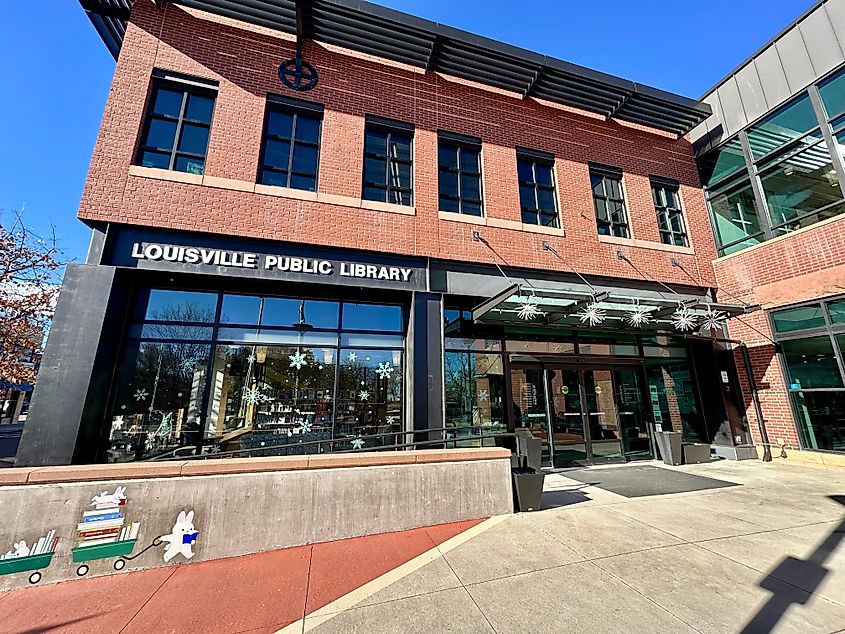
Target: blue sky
56, 72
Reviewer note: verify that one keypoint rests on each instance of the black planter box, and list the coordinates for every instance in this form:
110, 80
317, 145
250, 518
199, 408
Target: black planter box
527, 488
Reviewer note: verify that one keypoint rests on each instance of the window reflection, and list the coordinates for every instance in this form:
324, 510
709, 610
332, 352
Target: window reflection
671, 390
785, 124
474, 388
735, 215
811, 363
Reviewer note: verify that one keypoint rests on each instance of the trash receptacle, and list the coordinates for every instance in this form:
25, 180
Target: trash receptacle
669, 444
530, 447
696, 453
527, 488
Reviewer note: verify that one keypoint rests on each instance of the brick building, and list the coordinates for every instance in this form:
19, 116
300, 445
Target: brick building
771, 157
330, 224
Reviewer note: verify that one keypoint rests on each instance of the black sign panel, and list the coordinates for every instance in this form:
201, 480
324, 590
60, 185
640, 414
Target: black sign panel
222, 255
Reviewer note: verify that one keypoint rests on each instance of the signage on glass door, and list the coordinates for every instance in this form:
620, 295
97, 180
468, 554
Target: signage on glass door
156, 252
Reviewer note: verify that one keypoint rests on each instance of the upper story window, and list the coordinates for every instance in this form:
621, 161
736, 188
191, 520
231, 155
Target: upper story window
611, 217
784, 125
388, 162
290, 154
537, 188
670, 216
459, 166
178, 120
832, 93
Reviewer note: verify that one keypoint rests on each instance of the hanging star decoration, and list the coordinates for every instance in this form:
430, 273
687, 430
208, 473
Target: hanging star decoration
358, 443
592, 315
297, 360
384, 370
306, 427
683, 319
713, 319
482, 395
364, 395
352, 356
253, 396
529, 310
637, 316
141, 395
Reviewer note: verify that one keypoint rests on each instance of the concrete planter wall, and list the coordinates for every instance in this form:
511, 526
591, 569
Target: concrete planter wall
299, 501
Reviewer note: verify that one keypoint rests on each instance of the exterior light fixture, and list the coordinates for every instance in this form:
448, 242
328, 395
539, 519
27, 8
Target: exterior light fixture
637, 316
683, 319
592, 315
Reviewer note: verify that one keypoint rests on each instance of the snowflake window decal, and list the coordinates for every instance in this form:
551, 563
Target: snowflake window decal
251, 359
358, 443
297, 360
390, 420
141, 395
483, 396
352, 357
384, 370
253, 396
683, 319
364, 395
713, 319
306, 427
592, 315
188, 364
637, 316
530, 309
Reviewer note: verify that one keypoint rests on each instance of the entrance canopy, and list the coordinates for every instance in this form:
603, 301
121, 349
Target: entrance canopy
616, 308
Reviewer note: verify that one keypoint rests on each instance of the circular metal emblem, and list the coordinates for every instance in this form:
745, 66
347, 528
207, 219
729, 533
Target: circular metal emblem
298, 74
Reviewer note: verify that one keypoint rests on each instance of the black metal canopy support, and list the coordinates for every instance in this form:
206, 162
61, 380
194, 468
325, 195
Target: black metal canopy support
369, 28
489, 304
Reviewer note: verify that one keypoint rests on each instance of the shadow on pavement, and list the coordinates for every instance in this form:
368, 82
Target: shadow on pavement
810, 571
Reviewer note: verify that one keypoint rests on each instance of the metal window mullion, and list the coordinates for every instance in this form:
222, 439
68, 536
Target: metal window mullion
179, 122
290, 150
458, 151
756, 187
837, 352
827, 135
536, 191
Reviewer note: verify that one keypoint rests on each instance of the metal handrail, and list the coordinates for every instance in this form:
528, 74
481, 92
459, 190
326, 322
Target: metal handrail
174, 454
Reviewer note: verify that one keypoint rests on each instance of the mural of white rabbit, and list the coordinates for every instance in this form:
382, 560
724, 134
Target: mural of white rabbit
20, 550
182, 537
110, 500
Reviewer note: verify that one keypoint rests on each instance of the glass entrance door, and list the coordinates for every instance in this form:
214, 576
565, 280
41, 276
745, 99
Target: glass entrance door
583, 415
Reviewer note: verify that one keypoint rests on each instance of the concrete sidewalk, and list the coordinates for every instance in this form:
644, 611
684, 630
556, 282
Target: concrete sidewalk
764, 556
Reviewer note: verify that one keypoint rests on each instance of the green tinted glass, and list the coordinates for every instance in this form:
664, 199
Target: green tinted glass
800, 318
832, 92
790, 122
811, 363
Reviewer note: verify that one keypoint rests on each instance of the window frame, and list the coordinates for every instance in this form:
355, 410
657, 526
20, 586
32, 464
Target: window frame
389, 127
665, 212
534, 158
188, 86
460, 143
296, 108
613, 173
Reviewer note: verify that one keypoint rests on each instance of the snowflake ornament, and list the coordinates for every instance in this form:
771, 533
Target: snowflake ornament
384, 370
364, 395
713, 319
306, 427
592, 315
483, 396
390, 420
141, 395
638, 316
188, 364
683, 319
297, 360
251, 359
253, 396
529, 310
358, 443
352, 356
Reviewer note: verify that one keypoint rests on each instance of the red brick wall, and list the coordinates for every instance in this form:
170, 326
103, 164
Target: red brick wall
792, 269
245, 60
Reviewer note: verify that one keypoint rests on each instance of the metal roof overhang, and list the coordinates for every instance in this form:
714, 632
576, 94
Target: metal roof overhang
382, 32
558, 308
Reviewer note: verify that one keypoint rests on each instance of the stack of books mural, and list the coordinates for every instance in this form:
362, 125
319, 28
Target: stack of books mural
103, 531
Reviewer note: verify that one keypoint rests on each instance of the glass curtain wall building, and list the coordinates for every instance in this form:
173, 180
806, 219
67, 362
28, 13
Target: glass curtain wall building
781, 174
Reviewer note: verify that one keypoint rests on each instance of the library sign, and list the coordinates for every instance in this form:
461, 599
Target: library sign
276, 265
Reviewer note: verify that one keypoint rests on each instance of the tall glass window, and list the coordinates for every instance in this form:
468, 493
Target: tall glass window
611, 216
177, 125
735, 216
832, 93
291, 151
388, 162
223, 373
670, 217
786, 124
812, 340
721, 163
459, 174
537, 189
474, 390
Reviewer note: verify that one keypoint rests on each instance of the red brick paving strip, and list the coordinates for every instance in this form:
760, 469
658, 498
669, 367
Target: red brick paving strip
249, 594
